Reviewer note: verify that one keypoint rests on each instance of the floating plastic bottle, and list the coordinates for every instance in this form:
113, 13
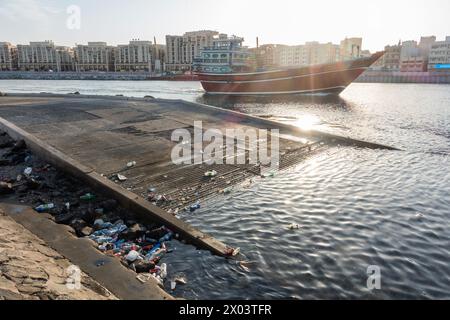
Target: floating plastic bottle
195, 206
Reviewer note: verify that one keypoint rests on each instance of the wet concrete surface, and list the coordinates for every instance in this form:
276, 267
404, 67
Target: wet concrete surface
106, 134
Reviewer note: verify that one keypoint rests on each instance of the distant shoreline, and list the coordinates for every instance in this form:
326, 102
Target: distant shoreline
370, 76
101, 76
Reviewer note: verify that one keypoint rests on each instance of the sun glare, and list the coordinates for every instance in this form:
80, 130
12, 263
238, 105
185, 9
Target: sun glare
307, 122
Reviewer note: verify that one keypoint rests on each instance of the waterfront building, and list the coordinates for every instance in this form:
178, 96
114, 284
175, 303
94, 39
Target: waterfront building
95, 56
181, 50
65, 59
8, 56
425, 45
439, 57
135, 56
265, 56
350, 48
291, 55
391, 57
413, 64
37, 56
310, 53
410, 49
320, 53
158, 57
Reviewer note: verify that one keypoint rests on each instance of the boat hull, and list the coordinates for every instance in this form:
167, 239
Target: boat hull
329, 78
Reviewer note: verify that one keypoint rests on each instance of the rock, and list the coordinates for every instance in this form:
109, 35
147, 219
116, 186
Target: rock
78, 224
6, 188
144, 266
149, 97
157, 233
2, 94
6, 141
19, 146
65, 218
18, 158
86, 231
5, 162
109, 205
33, 184
133, 232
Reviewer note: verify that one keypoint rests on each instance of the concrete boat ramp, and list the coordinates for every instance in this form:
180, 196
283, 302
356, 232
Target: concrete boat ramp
95, 137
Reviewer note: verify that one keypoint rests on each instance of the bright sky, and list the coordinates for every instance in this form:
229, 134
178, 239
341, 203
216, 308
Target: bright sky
379, 22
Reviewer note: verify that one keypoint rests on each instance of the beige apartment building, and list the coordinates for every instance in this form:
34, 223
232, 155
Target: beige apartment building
135, 56
95, 56
310, 53
350, 48
181, 50
37, 56
8, 56
391, 58
65, 59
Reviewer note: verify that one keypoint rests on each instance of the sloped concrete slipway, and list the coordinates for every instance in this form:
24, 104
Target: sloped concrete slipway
95, 137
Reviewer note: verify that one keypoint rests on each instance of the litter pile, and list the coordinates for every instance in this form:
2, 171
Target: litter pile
138, 248
26, 179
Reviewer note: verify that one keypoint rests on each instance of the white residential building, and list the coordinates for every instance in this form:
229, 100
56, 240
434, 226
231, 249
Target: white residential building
181, 50
8, 56
439, 58
135, 56
95, 56
37, 56
311, 53
65, 59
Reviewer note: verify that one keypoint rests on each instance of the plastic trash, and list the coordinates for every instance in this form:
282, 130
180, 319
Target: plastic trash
122, 178
180, 280
232, 252
45, 207
87, 197
131, 164
28, 171
195, 206
245, 265
132, 256
211, 173
163, 271
166, 238
293, 226
173, 285
227, 190
98, 224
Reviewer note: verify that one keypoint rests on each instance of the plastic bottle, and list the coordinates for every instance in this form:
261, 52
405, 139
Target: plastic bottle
163, 271
88, 197
167, 237
44, 207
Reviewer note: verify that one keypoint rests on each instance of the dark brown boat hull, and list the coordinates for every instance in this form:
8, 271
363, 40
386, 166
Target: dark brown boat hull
334, 77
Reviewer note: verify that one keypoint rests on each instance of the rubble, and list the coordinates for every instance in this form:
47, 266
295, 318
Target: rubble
115, 231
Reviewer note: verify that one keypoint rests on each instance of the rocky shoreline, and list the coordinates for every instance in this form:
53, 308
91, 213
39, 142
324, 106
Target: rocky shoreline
27, 180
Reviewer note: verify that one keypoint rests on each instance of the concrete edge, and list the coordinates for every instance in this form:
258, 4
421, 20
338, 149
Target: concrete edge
110, 273
142, 208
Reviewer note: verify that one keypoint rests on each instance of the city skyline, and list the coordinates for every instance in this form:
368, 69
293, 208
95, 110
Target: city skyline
22, 21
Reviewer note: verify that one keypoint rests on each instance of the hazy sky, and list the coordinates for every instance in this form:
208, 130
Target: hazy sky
379, 22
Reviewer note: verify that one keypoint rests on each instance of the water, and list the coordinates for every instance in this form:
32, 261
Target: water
356, 207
